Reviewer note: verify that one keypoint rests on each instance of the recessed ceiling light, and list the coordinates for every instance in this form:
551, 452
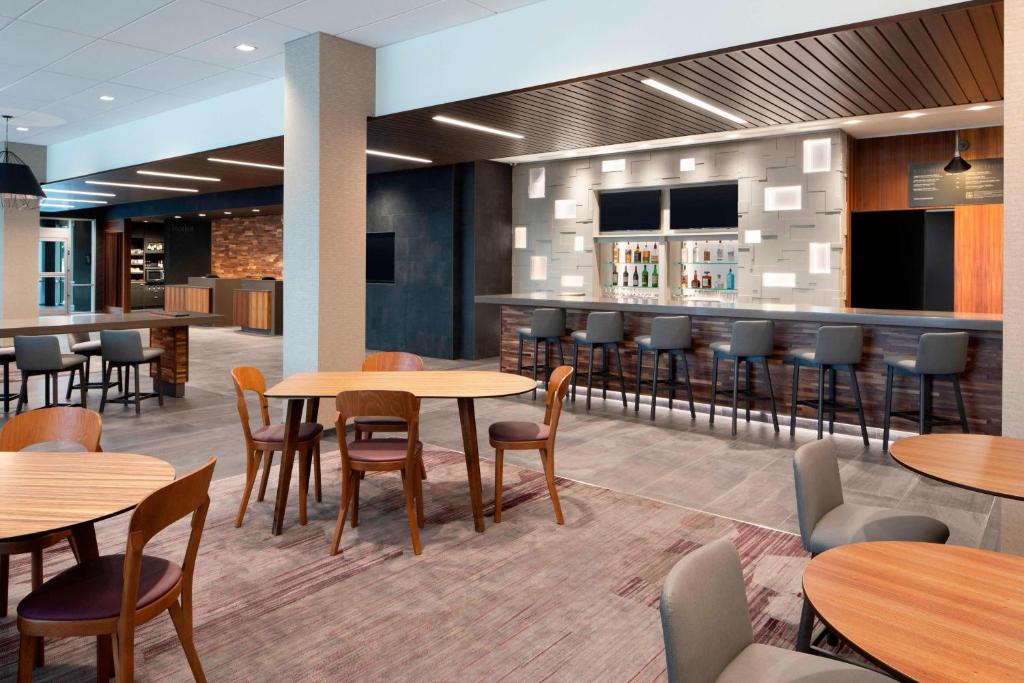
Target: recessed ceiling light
141, 187
243, 47
669, 90
145, 221
90, 194
76, 201
977, 107
107, 98
391, 155
852, 122
179, 175
911, 115
177, 216
255, 210
476, 126
22, 129
244, 163
227, 213
202, 215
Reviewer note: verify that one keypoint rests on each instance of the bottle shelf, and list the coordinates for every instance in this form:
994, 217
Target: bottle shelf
704, 289
707, 263
633, 263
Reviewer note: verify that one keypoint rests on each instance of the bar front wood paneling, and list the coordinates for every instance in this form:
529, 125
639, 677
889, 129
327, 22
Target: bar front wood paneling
254, 309
186, 298
982, 382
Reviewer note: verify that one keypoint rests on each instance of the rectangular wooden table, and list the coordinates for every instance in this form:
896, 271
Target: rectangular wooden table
167, 332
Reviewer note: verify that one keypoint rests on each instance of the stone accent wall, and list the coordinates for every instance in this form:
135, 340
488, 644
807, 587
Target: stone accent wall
248, 246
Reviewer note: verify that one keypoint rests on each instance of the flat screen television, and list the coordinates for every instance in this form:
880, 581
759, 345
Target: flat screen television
631, 210
380, 257
704, 206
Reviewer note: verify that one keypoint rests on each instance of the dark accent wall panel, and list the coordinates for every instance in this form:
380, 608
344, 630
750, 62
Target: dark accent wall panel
492, 255
187, 247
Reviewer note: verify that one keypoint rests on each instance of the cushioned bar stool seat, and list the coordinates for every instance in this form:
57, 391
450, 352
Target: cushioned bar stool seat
752, 342
939, 354
123, 349
547, 326
671, 336
837, 347
604, 329
41, 356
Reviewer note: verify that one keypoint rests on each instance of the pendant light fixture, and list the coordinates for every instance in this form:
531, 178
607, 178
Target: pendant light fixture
19, 188
957, 163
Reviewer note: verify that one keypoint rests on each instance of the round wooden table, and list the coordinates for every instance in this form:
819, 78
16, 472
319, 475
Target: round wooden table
979, 462
463, 385
925, 611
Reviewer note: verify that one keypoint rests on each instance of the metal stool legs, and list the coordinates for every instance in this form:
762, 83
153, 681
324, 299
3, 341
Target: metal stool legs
546, 368
822, 405
924, 415
127, 397
603, 373
672, 380
747, 392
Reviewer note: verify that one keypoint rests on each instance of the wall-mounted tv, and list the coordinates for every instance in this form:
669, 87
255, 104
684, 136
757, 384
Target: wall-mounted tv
704, 206
631, 210
380, 257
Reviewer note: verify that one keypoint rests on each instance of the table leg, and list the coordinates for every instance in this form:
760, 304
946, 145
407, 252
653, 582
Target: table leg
293, 417
84, 537
467, 415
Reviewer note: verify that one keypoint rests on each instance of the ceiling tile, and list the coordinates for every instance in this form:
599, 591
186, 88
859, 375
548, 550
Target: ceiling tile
66, 132
17, 104
180, 24
103, 59
25, 44
154, 104
417, 22
331, 16
44, 87
89, 103
269, 39
14, 8
91, 17
258, 7
271, 67
4, 21
218, 85
504, 5
168, 73
10, 74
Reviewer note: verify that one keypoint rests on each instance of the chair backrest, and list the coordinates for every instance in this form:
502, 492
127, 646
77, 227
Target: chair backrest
44, 425
392, 361
818, 487
671, 332
79, 337
400, 404
839, 344
157, 511
752, 338
558, 387
942, 353
37, 353
121, 346
604, 327
704, 615
548, 322
250, 379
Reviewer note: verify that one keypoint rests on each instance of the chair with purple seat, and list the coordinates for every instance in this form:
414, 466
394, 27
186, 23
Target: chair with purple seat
529, 436
386, 361
261, 443
108, 596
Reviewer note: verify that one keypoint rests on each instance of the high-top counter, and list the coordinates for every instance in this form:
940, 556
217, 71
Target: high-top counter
885, 333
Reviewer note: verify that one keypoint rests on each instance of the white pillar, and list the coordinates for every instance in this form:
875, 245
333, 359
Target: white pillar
329, 93
19, 269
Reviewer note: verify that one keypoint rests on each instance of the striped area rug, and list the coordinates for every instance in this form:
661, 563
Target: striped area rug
527, 600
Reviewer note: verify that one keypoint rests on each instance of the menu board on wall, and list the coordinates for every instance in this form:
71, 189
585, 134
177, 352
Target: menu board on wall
929, 185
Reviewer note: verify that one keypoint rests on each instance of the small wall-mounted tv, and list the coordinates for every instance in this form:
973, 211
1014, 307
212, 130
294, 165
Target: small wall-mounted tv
380, 257
704, 206
630, 210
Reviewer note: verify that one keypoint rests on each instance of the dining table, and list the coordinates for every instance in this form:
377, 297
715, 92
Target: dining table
465, 386
924, 611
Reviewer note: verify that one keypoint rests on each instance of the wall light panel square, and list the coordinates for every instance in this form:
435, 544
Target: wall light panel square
817, 155
578, 243
538, 267
752, 236
612, 165
688, 164
565, 209
786, 198
820, 258
520, 236
779, 280
535, 189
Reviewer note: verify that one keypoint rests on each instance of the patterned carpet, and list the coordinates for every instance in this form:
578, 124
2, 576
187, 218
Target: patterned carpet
527, 601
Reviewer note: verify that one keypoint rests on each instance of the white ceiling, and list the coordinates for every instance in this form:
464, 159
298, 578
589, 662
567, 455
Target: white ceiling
57, 57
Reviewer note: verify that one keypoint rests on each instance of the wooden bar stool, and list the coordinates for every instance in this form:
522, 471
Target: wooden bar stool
123, 349
837, 347
670, 335
604, 329
939, 354
41, 356
752, 342
548, 326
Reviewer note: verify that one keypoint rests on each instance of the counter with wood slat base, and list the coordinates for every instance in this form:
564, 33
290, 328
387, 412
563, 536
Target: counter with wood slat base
188, 298
257, 306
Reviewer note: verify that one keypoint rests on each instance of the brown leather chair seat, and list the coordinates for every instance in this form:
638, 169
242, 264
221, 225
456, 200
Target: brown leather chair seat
518, 431
307, 431
380, 450
93, 590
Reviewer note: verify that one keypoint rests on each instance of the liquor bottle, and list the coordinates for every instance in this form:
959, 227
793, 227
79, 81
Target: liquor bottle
629, 255
694, 258
636, 253
654, 254
719, 284
654, 276
719, 252
684, 282
695, 282
646, 255
615, 253
707, 253
731, 255
615, 276
705, 282
636, 277
730, 280
644, 281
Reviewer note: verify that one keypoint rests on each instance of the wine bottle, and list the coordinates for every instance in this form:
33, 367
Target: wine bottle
654, 276
615, 276
636, 277
629, 254
654, 253
644, 278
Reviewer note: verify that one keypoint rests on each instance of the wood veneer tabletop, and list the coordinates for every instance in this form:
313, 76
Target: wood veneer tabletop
42, 492
93, 322
423, 384
927, 611
980, 462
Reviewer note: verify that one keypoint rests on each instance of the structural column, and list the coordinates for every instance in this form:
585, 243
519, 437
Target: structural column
329, 93
19, 263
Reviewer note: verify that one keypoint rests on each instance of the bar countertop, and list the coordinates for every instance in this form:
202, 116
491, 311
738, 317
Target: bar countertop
824, 314
94, 322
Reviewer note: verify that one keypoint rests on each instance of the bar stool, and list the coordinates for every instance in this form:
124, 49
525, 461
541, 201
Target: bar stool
752, 342
604, 329
84, 345
123, 349
939, 354
837, 347
41, 356
547, 325
669, 335
6, 358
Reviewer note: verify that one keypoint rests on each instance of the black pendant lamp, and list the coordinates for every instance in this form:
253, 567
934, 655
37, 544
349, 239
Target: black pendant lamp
19, 188
957, 163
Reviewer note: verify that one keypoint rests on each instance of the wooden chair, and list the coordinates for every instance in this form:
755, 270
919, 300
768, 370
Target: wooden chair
386, 361
528, 436
261, 443
44, 425
380, 455
107, 597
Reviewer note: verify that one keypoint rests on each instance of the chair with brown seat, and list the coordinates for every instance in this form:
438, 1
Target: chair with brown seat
261, 443
108, 596
528, 436
380, 455
387, 361
45, 425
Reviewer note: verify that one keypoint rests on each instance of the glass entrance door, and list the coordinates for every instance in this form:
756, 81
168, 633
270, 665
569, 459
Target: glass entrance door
53, 275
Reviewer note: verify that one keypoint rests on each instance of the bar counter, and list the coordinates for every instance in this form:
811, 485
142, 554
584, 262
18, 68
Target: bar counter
885, 332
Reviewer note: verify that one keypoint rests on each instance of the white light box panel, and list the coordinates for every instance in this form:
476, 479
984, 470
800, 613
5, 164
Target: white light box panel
565, 209
752, 236
578, 243
612, 165
538, 267
818, 155
688, 164
786, 198
520, 236
535, 190
820, 256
